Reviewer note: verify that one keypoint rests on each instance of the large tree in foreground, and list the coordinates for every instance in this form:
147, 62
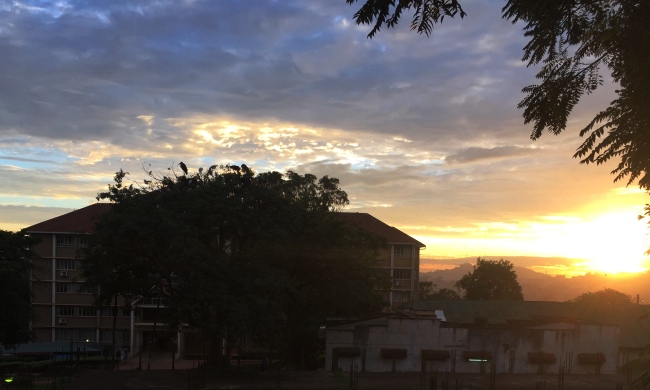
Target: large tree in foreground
491, 280
577, 43
16, 301
236, 254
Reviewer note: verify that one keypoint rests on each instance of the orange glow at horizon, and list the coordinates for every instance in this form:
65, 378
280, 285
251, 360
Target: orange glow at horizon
616, 244
612, 241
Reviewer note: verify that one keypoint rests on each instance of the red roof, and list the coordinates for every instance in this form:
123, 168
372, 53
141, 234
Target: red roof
77, 221
83, 221
392, 235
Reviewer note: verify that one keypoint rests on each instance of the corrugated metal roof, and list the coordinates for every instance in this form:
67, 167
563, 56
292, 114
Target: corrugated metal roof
77, 221
368, 222
633, 319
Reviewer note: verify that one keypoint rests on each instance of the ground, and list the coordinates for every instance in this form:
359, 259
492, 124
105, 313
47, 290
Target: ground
97, 379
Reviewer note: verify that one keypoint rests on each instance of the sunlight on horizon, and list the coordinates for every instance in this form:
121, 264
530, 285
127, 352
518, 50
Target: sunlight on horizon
616, 244
610, 242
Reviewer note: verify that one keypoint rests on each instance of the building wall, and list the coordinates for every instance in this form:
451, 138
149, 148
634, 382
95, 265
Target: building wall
403, 268
58, 314
507, 348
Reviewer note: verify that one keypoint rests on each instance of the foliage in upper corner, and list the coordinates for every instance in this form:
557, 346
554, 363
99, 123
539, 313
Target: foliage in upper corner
256, 254
426, 13
577, 43
15, 305
491, 280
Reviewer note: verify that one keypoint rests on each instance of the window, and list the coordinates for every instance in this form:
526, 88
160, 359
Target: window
402, 274
67, 311
108, 312
85, 288
65, 334
85, 311
87, 335
64, 240
401, 296
66, 264
403, 250
106, 335
83, 242
126, 312
66, 287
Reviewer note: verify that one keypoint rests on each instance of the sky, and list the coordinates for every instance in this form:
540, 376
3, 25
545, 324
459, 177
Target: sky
423, 132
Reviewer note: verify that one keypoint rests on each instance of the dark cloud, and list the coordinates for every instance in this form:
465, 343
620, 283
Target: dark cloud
87, 71
12, 158
474, 154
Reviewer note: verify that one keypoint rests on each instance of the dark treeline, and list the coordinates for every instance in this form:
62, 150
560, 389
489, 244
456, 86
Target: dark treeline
542, 287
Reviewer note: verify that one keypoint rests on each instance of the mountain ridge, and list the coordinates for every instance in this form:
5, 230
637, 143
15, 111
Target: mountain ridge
537, 286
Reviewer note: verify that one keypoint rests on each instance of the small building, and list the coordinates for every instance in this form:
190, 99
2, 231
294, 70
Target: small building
415, 343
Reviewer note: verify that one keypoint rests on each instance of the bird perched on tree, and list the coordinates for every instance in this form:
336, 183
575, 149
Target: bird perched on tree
183, 167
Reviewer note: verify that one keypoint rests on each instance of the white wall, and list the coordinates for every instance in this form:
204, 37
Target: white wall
509, 346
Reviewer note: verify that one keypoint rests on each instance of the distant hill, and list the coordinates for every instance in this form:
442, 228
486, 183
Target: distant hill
537, 286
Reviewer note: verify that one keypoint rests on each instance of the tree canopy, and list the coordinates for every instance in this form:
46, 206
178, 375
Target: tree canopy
491, 280
236, 254
606, 296
15, 305
577, 43
428, 290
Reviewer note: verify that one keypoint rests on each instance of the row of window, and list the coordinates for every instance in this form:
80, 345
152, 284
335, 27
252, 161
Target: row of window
403, 250
72, 287
401, 296
71, 240
404, 274
88, 311
66, 264
90, 334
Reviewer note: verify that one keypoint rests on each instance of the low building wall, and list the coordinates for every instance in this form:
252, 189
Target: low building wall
416, 344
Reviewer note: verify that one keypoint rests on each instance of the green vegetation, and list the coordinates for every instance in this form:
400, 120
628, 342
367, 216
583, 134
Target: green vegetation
491, 280
15, 305
236, 254
428, 290
605, 296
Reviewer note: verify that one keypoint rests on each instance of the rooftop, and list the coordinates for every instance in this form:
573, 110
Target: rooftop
83, 221
369, 223
78, 221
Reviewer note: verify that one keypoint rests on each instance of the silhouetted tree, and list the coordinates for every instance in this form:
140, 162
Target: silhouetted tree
605, 296
16, 301
428, 290
491, 280
237, 254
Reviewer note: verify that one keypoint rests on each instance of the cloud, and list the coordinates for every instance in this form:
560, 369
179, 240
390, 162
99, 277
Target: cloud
482, 154
423, 132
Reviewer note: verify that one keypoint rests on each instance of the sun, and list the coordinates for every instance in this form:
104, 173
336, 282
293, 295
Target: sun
614, 242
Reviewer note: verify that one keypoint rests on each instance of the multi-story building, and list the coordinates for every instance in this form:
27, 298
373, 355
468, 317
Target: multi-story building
65, 308
400, 258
